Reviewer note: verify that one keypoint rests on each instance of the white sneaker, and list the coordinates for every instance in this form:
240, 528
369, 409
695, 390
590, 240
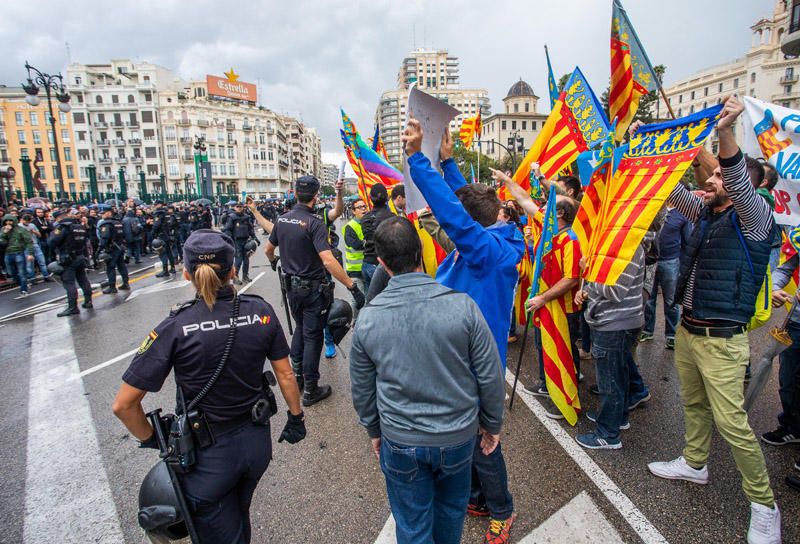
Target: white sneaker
765, 524
677, 469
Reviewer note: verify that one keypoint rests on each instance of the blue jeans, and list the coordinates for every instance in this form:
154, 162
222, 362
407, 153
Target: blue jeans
38, 256
15, 268
667, 278
618, 379
428, 490
367, 271
490, 482
789, 382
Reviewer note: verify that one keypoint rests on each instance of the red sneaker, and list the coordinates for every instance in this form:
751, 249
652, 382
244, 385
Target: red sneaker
499, 530
477, 510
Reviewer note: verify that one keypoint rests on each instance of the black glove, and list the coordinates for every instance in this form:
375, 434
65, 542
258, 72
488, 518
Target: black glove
295, 429
151, 443
274, 264
358, 296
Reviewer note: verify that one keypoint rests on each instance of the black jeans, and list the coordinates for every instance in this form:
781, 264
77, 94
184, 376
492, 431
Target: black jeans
310, 316
220, 487
168, 254
76, 271
117, 262
241, 260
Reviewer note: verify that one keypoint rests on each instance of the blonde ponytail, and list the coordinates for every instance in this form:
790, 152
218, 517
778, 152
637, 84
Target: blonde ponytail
207, 283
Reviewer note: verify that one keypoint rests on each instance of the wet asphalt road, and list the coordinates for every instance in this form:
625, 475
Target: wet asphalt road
329, 487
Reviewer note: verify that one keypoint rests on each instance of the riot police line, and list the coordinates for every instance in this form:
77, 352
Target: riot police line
216, 345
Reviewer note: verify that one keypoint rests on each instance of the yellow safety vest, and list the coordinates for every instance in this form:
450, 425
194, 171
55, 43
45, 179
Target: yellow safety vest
353, 258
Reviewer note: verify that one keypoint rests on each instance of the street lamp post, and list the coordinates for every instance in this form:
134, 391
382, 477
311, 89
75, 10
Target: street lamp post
53, 85
200, 157
512, 151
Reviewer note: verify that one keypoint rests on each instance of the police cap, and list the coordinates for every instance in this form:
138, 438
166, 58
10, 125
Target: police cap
103, 208
59, 211
306, 185
207, 246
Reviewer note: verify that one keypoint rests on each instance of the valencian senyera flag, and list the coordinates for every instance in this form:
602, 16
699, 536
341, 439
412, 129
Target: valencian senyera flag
789, 248
657, 157
470, 127
377, 144
577, 123
559, 367
773, 132
632, 75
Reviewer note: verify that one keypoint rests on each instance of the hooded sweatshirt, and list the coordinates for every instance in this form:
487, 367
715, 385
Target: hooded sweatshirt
18, 240
484, 263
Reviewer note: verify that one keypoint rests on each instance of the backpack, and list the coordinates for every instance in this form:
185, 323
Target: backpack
136, 228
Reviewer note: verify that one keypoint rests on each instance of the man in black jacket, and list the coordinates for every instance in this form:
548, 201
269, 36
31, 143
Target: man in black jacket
369, 224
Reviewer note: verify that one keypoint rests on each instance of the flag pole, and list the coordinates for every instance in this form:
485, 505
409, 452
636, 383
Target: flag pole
479, 160
664, 96
519, 360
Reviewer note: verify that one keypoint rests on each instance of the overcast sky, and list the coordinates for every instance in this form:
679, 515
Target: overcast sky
312, 56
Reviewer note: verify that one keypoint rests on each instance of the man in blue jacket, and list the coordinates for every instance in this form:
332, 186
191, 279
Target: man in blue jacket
484, 266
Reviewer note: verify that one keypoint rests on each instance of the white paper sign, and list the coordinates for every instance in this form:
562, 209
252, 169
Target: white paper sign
773, 132
434, 117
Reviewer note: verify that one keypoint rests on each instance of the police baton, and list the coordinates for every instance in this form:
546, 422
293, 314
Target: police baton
163, 446
285, 300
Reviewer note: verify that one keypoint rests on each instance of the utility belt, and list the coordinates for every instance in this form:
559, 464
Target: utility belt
302, 287
713, 330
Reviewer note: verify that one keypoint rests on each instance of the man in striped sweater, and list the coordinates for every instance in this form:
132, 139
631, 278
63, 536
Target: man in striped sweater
722, 270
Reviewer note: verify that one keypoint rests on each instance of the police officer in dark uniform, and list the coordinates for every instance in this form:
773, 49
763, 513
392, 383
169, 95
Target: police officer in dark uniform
206, 219
305, 257
220, 484
194, 219
91, 229
239, 226
68, 242
165, 229
111, 233
184, 227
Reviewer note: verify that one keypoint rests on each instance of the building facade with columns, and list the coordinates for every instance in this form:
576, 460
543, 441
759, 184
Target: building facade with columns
437, 73
764, 72
25, 131
516, 127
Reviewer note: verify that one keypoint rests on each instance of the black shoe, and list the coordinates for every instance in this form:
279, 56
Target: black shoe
125, 287
110, 290
793, 482
314, 393
49, 279
780, 437
162, 274
172, 270
246, 279
87, 304
70, 310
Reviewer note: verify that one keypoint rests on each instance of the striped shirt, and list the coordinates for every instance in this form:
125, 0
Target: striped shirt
755, 215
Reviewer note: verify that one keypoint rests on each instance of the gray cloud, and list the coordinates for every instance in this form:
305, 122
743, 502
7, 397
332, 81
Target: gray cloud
310, 57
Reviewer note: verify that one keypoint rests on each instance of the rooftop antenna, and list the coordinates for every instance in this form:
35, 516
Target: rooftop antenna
69, 54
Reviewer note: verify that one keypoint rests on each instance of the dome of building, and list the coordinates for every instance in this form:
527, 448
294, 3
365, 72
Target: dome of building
520, 88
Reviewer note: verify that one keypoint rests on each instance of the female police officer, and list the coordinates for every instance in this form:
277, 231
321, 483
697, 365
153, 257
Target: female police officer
220, 484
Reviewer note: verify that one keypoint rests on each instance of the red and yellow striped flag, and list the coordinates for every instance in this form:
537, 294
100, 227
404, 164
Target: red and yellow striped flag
767, 135
470, 127
655, 162
589, 210
559, 368
788, 250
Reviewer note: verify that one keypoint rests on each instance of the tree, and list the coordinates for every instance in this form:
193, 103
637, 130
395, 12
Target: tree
327, 190
649, 108
465, 157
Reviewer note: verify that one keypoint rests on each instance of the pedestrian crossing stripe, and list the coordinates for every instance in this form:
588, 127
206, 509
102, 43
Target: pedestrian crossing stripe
145, 345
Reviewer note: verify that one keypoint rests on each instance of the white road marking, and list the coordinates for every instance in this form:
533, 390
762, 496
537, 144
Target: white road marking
130, 353
635, 518
67, 493
157, 288
387, 533
580, 521
32, 293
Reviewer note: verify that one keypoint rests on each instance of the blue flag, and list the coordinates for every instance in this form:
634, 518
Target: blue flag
472, 170
549, 230
594, 159
551, 81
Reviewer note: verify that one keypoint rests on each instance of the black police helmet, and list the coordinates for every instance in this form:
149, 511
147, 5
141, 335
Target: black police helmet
340, 316
159, 509
158, 245
250, 246
55, 268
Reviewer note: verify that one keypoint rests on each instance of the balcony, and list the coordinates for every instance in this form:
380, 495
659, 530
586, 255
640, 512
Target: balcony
3, 141
187, 157
132, 124
247, 127
121, 160
790, 42
134, 141
186, 139
270, 131
184, 122
103, 142
104, 160
100, 124
119, 141
136, 160
788, 79
116, 124
232, 142
229, 125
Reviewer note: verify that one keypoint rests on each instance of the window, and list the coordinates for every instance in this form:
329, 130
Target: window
524, 125
21, 137
705, 91
172, 151
67, 153
736, 83
62, 118
790, 72
81, 135
147, 117
680, 99
65, 136
692, 95
52, 154
78, 117
55, 172
691, 109
787, 89
503, 125
212, 151
37, 137
49, 136
34, 118
71, 175
23, 152
19, 118
115, 99
77, 80
131, 99
516, 108
147, 96
720, 88
132, 120
83, 154
98, 99
752, 77
173, 169
513, 125
230, 153
527, 107
42, 173
151, 153
169, 133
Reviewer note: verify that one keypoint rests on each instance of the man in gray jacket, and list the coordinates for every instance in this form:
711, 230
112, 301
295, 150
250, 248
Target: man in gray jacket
425, 401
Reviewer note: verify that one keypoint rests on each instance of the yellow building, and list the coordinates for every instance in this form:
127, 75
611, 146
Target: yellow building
25, 132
